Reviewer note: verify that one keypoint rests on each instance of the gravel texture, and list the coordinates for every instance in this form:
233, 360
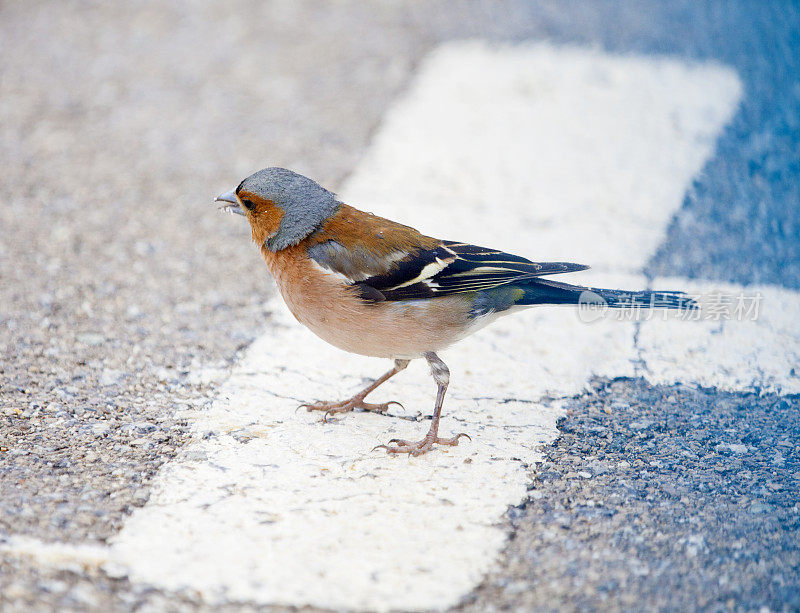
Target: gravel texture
125, 296
659, 498
120, 278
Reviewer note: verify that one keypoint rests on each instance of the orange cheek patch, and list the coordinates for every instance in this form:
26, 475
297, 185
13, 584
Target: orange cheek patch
266, 218
269, 221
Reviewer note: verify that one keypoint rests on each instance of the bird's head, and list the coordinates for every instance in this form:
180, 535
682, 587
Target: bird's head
282, 206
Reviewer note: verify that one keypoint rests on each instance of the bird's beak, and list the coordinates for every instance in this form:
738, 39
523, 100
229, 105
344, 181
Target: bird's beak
229, 202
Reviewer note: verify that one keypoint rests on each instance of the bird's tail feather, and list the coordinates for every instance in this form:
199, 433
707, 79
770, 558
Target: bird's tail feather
545, 291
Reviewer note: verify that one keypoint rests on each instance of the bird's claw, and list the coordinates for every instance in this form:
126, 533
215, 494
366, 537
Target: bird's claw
328, 413
416, 448
345, 406
391, 402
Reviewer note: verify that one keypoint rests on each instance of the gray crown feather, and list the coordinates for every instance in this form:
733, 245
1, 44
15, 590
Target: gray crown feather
305, 203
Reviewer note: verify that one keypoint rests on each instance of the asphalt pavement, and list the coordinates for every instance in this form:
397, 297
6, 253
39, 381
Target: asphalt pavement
120, 284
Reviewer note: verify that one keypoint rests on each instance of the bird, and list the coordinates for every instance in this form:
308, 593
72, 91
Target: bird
378, 288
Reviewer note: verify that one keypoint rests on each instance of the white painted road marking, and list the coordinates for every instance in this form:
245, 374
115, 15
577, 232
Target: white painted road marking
66, 556
553, 153
761, 356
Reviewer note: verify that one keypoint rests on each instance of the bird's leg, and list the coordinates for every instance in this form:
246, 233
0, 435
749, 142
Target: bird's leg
441, 374
357, 401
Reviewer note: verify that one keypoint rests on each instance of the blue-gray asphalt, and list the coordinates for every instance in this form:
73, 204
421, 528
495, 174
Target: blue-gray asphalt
674, 497
740, 221
652, 497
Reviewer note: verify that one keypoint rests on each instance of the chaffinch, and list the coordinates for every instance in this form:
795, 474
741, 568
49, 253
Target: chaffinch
378, 288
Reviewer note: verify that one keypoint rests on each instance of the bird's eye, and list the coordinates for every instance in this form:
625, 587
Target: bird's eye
249, 204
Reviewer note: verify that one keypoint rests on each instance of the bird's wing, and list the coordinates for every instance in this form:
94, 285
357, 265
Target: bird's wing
407, 265
361, 245
452, 268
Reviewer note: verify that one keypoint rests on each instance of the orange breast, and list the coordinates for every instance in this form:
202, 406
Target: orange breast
331, 309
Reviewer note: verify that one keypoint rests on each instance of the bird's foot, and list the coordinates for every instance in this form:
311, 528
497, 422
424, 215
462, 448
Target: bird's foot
416, 448
345, 406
